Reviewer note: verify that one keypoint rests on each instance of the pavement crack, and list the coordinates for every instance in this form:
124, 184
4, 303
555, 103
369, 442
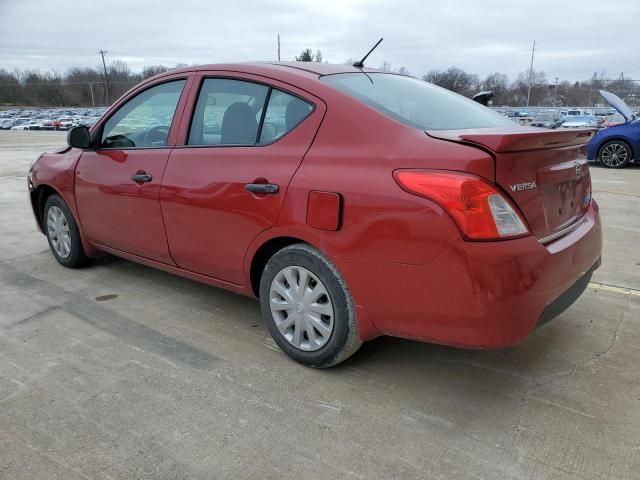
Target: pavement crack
19, 257
485, 367
35, 316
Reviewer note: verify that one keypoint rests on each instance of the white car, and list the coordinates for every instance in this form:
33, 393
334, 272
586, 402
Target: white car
580, 121
21, 126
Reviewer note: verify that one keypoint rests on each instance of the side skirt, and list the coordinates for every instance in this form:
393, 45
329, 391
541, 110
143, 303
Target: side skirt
215, 282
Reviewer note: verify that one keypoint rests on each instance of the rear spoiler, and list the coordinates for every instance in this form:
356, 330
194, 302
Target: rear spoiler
519, 139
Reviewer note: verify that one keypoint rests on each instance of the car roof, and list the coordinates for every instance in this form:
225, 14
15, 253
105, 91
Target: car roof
306, 69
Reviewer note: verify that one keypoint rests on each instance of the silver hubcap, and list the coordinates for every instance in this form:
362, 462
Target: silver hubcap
301, 308
58, 232
614, 155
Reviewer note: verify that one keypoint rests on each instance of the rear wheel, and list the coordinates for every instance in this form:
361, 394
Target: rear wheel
308, 308
615, 154
62, 233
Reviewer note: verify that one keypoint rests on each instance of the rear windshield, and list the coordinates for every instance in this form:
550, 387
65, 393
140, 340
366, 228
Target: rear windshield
414, 102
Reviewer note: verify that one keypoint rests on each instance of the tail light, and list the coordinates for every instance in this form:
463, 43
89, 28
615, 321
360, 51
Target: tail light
479, 209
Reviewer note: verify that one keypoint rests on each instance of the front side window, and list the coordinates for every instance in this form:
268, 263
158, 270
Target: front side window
414, 102
227, 112
284, 113
145, 120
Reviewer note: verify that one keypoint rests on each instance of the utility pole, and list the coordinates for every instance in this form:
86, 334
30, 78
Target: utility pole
555, 93
533, 51
278, 47
106, 77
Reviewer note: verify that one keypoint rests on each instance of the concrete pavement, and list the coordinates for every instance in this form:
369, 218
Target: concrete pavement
119, 371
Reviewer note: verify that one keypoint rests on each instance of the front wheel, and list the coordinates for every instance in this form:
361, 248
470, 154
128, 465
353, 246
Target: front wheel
62, 233
308, 308
615, 154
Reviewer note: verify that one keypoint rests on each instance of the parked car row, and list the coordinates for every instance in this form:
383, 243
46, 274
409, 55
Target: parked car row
617, 141
49, 119
574, 119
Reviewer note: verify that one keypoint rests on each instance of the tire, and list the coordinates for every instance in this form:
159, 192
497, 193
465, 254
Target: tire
62, 233
323, 340
615, 154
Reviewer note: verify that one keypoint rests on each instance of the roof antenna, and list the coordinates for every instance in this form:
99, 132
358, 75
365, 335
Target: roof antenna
360, 63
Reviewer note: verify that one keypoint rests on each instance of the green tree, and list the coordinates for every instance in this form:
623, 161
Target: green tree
305, 56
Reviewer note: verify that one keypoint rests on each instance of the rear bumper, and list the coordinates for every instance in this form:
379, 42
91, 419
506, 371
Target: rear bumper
477, 294
565, 300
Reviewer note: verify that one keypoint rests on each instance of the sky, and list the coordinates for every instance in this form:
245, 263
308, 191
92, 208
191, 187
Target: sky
573, 38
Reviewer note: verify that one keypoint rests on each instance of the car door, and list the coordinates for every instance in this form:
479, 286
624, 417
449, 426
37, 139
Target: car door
117, 183
226, 183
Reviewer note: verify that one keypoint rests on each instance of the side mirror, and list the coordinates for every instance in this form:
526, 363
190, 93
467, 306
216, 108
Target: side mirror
78, 137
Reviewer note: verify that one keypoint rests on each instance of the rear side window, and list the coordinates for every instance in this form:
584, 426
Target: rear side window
414, 102
227, 112
284, 113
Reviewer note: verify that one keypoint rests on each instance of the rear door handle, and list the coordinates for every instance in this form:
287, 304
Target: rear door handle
264, 188
141, 177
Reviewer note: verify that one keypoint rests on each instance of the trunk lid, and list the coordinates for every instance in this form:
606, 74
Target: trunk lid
544, 172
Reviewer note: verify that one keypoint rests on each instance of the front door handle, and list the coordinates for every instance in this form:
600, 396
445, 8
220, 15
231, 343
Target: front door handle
264, 188
141, 178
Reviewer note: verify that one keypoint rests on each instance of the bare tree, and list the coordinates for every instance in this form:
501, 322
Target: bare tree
11, 90
153, 70
85, 86
539, 89
498, 83
454, 79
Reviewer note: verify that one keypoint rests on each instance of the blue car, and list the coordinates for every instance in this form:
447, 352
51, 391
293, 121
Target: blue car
617, 146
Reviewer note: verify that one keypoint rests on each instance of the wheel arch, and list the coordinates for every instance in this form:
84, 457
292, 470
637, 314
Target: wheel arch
38, 198
266, 245
262, 255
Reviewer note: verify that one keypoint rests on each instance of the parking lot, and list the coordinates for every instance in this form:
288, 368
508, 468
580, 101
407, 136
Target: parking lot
119, 371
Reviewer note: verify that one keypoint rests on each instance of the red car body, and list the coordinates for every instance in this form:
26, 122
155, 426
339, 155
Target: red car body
409, 268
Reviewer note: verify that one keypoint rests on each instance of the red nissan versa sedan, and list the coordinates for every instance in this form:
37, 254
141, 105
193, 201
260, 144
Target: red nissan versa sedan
352, 202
